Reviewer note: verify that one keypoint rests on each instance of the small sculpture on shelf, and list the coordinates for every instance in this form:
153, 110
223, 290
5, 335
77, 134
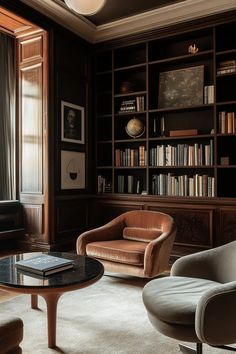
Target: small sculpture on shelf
135, 128
193, 49
126, 87
163, 126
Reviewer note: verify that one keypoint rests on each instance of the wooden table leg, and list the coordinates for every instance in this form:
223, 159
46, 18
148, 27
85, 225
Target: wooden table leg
51, 301
34, 302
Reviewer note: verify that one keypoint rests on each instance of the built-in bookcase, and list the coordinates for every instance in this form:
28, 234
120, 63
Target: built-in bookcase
181, 90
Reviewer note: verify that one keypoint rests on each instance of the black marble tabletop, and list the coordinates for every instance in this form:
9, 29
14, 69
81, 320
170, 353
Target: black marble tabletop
85, 269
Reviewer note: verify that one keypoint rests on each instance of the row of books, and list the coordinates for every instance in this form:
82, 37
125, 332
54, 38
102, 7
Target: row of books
104, 186
183, 185
226, 67
128, 184
208, 94
226, 122
136, 104
131, 157
182, 155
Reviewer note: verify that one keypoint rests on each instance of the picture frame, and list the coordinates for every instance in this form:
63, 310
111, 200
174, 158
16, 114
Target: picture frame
181, 87
72, 170
72, 123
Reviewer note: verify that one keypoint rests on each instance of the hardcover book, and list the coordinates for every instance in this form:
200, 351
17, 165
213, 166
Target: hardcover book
45, 264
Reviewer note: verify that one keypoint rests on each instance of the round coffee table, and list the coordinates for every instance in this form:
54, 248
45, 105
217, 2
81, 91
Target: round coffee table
85, 272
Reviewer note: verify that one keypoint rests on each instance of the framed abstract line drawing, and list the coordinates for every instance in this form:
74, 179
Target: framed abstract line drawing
72, 170
181, 88
72, 123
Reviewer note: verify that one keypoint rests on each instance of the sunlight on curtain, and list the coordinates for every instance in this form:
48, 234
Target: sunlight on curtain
7, 117
31, 129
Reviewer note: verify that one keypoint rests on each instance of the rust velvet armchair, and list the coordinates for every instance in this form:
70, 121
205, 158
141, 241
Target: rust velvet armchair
136, 243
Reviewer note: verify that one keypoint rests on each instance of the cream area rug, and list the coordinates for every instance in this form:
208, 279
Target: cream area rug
107, 317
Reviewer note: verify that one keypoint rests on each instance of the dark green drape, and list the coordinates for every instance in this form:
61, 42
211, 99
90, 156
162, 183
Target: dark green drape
7, 117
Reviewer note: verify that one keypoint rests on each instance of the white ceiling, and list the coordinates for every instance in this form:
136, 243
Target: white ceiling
156, 18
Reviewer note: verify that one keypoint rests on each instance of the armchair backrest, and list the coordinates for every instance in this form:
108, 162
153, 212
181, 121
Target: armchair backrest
217, 264
224, 262
145, 225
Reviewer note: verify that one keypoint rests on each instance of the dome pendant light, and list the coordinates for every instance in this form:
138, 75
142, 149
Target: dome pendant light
85, 7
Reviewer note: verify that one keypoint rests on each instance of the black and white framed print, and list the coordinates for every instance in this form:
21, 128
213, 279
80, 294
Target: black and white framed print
72, 123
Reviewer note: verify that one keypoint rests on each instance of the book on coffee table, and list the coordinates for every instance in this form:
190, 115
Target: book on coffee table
45, 264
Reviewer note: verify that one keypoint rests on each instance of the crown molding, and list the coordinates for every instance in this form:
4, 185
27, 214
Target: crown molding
61, 14
165, 16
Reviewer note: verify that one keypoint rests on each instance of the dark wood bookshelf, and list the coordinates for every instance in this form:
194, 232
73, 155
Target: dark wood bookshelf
198, 216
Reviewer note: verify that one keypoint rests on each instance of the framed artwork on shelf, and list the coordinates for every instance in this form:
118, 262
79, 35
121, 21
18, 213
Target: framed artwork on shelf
72, 123
72, 170
181, 88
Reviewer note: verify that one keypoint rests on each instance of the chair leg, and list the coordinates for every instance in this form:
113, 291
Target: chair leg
187, 350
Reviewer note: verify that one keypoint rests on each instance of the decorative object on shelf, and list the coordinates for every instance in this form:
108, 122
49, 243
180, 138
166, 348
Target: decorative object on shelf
135, 128
224, 160
181, 87
72, 123
72, 170
192, 49
85, 7
162, 126
126, 87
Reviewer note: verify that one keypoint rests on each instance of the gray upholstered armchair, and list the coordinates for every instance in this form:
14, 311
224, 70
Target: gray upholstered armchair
197, 303
137, 243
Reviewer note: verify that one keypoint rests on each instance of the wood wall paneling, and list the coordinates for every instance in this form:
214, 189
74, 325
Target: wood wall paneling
31, 49
33, 219
101, 212
227, 231
194, 226
71, 216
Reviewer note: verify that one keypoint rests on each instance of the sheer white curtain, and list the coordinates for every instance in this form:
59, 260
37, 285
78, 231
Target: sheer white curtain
7, 117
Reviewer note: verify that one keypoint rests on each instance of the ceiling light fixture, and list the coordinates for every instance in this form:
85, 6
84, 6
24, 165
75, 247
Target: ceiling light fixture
85, 7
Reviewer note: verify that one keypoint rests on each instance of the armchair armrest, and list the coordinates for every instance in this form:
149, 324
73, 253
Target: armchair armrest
157, 253
110, 231
216, 315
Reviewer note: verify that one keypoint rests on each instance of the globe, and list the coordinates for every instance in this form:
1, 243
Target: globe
135, 128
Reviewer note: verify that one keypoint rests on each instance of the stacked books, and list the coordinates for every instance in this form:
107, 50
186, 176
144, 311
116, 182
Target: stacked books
132, 105
128, 106
44, 264
104, 186
226, 122
226, 67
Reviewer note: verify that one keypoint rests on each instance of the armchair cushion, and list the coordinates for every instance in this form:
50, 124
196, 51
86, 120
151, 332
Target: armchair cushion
121, 251
140, 234
178, 306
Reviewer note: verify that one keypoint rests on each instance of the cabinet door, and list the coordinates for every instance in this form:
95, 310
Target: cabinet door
194, 226
227, 227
